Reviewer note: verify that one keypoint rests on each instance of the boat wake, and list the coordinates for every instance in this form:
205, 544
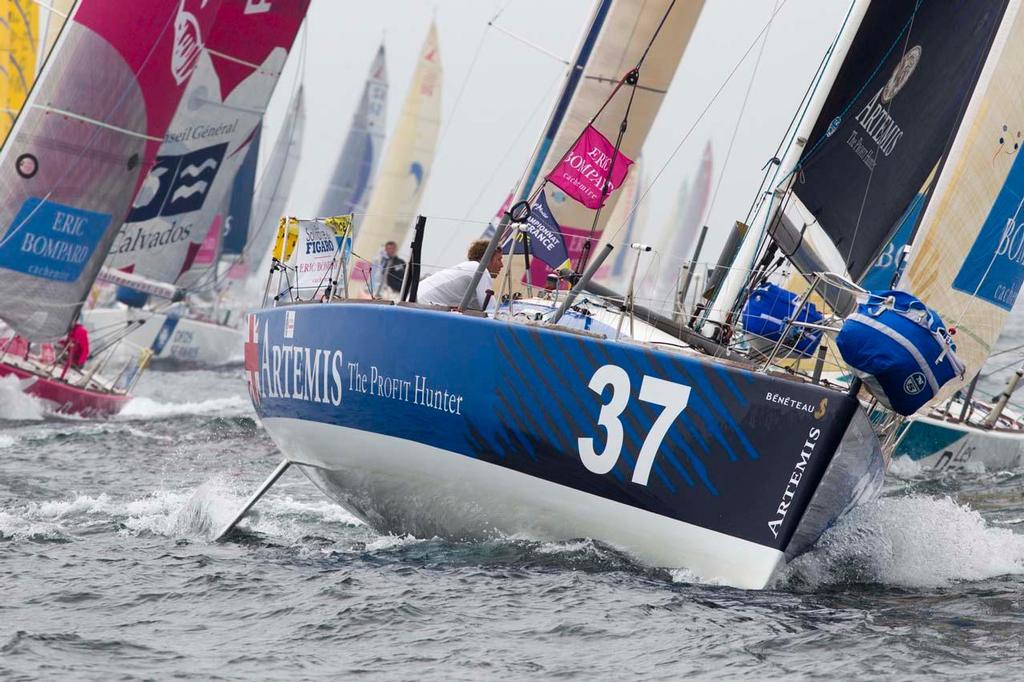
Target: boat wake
17, 405
194, 515
147, 408
913, 541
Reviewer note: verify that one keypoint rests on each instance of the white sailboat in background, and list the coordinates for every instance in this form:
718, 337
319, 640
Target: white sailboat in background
86, 138
679, 234
405, 169
172, 235
628, 216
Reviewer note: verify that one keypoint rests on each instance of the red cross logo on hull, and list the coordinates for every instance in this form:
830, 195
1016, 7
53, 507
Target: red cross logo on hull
252, 361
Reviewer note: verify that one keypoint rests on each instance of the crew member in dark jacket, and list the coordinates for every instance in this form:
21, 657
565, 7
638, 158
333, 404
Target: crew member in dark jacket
393, 267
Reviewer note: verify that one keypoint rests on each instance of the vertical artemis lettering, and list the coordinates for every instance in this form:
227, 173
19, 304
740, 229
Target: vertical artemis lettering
879, 125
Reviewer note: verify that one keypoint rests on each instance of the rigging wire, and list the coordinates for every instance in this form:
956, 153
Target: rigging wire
469, 75
697, 121
739, 120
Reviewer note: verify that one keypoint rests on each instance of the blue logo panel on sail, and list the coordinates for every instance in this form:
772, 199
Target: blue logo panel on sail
177, 184
994, 268
51, 240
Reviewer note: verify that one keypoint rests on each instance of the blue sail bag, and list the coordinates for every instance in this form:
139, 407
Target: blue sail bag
900, 349
766, 312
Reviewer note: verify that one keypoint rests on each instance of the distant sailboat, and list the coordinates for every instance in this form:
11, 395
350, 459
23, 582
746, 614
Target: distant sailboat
628, 215
351, 184
679, 234
238, 219
406, 166
81, 147
173, 233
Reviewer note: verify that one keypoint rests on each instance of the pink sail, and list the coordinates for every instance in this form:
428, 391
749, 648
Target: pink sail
591, 170
234, 76
86, 138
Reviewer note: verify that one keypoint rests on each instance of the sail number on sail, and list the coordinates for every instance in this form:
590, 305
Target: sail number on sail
670, 395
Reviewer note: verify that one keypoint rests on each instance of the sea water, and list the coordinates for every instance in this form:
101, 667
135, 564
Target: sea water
107, 570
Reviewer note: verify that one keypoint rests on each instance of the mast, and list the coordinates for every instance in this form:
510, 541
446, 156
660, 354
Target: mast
619, 34
736, 278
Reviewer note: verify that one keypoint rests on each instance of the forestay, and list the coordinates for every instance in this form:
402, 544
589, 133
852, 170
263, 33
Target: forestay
87, 136
184, 197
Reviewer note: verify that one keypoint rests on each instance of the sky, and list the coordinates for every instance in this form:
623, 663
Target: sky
498, 91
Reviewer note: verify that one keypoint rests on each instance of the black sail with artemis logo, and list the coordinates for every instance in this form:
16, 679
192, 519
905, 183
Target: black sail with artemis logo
890, 118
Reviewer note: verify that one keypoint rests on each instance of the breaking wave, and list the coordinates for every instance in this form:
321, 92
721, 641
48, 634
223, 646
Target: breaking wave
913, 541
17, 405
196, 515
147, 408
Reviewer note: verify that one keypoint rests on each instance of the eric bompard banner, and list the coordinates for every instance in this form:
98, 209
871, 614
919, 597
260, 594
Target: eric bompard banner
583, 172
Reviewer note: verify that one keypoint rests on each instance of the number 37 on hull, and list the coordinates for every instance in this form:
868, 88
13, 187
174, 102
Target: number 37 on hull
678, 460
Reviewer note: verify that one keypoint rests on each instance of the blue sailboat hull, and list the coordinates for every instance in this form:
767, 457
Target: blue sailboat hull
436, 423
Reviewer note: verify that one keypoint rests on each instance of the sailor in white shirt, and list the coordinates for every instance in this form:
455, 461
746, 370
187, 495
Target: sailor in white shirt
447, 287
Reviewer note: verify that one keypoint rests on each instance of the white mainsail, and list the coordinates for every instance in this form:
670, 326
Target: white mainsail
407, 162
272, 192
968, 256
351, 184
181, 204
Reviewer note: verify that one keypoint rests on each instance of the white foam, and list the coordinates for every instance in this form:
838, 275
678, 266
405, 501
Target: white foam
152, 409
386, 542
15, 403
7, 441
912, 541
905, 468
